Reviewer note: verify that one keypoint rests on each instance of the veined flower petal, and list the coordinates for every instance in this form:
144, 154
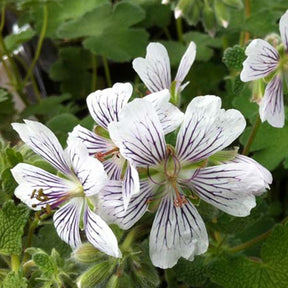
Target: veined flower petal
93, 142
112, 209
271, 107
113, 167
176, 232
170, 116
105, 105
66, 222
89, 171
185, 64
283, 26
154, 69
139, 134
131, 184
229, 187
262, 59
43, 142
207, 128
100, 235
37, 188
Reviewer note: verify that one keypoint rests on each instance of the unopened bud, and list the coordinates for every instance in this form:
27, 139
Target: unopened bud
221, 13
87, 253
238, 4
209, 20
274, 39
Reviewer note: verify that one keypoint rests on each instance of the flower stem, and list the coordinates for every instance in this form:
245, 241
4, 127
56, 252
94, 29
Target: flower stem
94, 73
39, 47
170, 278
179, 29
15, 263
107, 71
252, 136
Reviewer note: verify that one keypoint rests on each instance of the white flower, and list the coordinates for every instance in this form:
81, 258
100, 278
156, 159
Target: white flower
264, 60
84, 179
104, 107
154, 69
176, 174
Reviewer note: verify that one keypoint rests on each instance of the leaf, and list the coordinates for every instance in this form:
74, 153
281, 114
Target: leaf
204, 44
13, 280
269, 153
234, 57
61, 11
108, 31
45, 263
13, 41
269, 271
12, 221
3, 95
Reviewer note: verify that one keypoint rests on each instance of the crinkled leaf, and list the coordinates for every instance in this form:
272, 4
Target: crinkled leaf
234, 57
45, 263
108, 31
269, 271
13, 280
12, 221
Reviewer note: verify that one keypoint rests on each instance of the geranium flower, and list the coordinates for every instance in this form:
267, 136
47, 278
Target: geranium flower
83, 178
154, 69
177, 175
104, 107
263, 60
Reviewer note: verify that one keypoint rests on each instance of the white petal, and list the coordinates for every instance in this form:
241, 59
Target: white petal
66, 222
105, 105
207, 128
93, 142
100, 235
139, 134
176, 232
229, 187
271, 107
43, 142
263, 172
262, 59
154, 69
32, 179
131, 184
170, 116
89, 171
112, 204
283, 26
113, 167
185, 64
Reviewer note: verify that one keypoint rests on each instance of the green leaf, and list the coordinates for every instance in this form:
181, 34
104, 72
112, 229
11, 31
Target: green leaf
45, 263
269, 153
13, 41
234, 57
204, 44
12, 221
269, 271
108, 31
61, 11
13, 280
3, 95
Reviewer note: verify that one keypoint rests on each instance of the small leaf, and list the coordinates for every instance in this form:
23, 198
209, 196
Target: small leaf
234, 57
12, 221
13, 280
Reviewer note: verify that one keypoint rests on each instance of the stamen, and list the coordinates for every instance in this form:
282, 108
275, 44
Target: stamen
180, 199
101, 156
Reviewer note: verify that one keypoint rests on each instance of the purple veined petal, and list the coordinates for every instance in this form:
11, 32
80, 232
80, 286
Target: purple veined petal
207, 128
113, 167
105, 105
93, 142
263, 172
170, 116
271, 107
88, 170
154, 69
262, 59
32, 180
43, 142
66, 222
185, 64
229, 187
112, 205
99, 234
176, 232
283, 27
131, 184
139, 134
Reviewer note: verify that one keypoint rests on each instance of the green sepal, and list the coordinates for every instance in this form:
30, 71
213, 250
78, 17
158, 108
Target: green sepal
222, 13
87, 253
101, 132
223, 156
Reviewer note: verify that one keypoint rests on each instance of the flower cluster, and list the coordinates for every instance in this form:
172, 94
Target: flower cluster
113, 173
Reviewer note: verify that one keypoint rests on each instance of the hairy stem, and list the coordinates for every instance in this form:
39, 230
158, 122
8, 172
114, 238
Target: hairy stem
107, 71
94, 73
252, 136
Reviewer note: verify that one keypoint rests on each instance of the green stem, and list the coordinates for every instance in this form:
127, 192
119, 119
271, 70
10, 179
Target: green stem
179, 29
252, 136
170, 278
94, 73
167, 33
15, 263
107, 71
38, 50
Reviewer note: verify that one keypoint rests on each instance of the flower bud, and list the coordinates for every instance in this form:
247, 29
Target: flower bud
87, 253
238, 4
221, 13
209, 20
